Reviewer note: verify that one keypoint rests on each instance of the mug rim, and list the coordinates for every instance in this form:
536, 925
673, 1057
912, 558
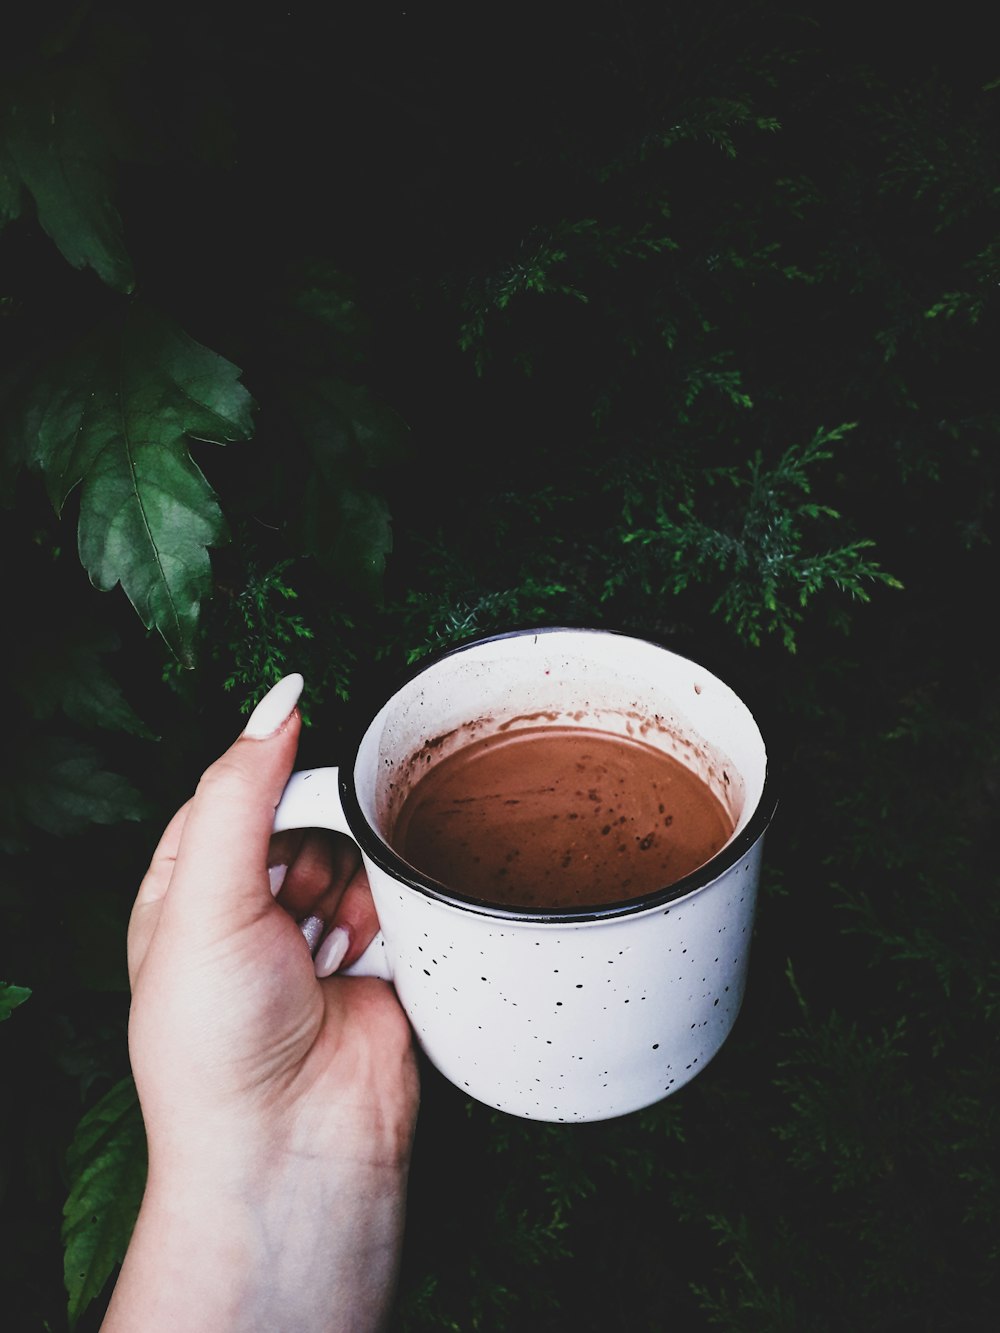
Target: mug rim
389, 861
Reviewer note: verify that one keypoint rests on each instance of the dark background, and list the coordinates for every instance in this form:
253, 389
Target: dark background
415, 201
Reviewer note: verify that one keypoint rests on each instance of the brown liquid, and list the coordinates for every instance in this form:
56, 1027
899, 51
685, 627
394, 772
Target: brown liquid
559, 817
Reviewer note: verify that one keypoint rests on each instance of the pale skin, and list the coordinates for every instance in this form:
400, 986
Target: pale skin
279, 1107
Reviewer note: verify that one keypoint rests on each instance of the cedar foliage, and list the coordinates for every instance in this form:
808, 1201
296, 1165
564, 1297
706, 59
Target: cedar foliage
681, 320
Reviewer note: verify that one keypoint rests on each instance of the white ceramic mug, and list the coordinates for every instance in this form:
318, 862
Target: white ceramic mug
558, 1015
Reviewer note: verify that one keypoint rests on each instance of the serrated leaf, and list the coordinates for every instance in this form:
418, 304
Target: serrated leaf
62, 788
61, 140
10, 997
116, 414
106, 1165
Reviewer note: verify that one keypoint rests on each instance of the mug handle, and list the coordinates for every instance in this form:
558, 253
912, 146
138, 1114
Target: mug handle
312, 800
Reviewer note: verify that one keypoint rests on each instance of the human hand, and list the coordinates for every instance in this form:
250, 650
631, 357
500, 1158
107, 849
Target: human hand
279, 1107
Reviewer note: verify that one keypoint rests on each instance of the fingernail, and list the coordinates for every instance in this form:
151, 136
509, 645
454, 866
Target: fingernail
276, 874
312, 930
275, 707
330, 953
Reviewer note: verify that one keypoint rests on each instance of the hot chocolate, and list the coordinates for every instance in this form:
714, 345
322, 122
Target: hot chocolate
559, 817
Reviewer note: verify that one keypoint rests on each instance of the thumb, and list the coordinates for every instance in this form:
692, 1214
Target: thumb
221, 863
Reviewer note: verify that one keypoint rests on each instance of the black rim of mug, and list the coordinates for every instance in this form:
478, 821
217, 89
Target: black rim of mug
379, 851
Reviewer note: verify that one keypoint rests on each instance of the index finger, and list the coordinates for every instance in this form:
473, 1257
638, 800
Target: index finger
220, 860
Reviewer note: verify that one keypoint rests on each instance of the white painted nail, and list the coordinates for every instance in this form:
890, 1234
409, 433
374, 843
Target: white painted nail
312, 930
275, 708
330, 953
276, 874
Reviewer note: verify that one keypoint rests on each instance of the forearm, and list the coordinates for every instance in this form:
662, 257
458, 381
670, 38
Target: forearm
303, 1255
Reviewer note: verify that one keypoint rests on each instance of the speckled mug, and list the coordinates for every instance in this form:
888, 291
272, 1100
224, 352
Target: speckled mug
566, 1015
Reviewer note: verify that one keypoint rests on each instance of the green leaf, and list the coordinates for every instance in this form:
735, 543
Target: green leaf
106, 1165
10, 997
62, 788
116, 414
61, 139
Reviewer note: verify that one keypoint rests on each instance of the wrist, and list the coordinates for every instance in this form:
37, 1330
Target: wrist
304, 1245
